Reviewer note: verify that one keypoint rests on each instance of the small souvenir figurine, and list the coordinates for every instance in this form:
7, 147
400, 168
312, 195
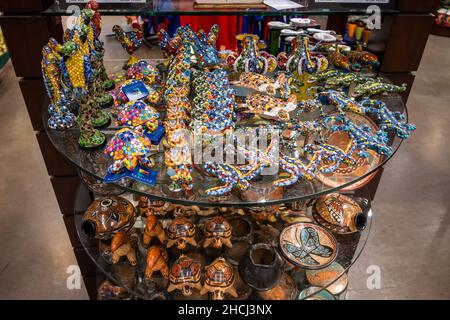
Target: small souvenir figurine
267, 85
363, 58
219, 280
153, 228
339, 61
308, 245
374, 87
217, 233
130, 42
185, 275
250, 59
339, 213
157, 259
60, 115
121, 246
130, 153
181, 232
271, 107
301, 60
142, 70
143, 118
77, 76
106, 216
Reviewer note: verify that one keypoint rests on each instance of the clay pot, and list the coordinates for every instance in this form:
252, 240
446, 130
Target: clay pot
236, 252
241, 229
339, 213
106, 216
286, 289
261, 267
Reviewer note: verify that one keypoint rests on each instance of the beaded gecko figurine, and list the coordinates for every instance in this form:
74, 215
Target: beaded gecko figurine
60, 115
374, 87
361, 57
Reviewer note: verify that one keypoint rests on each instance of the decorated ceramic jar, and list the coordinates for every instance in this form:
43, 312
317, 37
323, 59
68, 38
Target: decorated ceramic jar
217, 233
219, 279
180, 233
106, 216
185, 275
339, 213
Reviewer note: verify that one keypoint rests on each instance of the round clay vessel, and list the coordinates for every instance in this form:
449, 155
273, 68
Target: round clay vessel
333, 278
308, 245
106, 216
261, 267
339, 213
315, 293
241, 229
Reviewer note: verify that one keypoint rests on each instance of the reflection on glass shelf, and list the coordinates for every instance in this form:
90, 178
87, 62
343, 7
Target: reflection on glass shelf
188, 7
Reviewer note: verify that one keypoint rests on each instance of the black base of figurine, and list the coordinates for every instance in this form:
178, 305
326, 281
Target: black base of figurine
94, 148
104, 125
107, 105
111, 87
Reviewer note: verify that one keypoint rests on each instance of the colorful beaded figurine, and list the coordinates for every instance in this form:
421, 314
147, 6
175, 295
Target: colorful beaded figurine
77, 76
339, 61
374, 87
271, 107
142, 70
363, 136
389, 120
130, 152
60, 115
250, 59
345, 80
301, 60
213, 103
267, 85
361, 57
142, 117
130, 41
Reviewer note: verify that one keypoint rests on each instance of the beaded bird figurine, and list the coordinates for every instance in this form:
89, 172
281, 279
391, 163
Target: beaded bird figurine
130, 41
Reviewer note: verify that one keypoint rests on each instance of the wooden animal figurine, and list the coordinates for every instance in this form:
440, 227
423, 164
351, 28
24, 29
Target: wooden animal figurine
121, 246
181, 232
219, 280
185, 275
153, 228
157, 259
217, 233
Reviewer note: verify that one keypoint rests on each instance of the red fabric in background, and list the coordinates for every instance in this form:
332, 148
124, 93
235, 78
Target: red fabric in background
227, 24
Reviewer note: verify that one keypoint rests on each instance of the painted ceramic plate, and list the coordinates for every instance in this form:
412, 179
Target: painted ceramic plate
345, 174
323, 277
308, 245
320, 295
339, 213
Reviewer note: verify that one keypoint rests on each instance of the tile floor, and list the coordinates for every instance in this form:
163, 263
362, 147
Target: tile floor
409, 241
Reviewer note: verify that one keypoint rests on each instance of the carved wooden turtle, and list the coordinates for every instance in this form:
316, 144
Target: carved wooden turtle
217, 233
153, 228
106, 216
185, 275
219, 279
157, 259
181, 231
121, 246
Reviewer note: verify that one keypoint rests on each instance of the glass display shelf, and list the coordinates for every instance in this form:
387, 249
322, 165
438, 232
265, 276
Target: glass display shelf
132, 278
188, 7
95, 163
